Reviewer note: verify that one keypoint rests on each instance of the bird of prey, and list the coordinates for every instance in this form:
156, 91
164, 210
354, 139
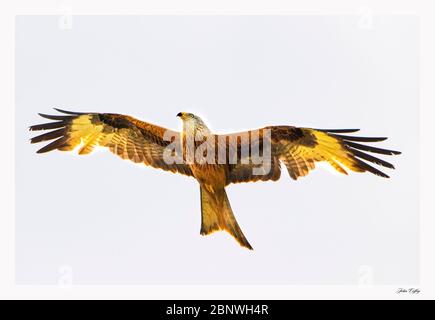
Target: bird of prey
214, 160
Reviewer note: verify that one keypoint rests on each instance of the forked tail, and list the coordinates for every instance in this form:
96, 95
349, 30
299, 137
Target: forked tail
216, 214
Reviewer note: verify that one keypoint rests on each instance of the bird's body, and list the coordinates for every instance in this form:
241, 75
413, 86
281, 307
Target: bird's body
215, 161
207, 174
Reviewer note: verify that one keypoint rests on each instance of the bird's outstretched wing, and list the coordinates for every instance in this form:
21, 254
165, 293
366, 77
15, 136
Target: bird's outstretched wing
300, 148
125, 136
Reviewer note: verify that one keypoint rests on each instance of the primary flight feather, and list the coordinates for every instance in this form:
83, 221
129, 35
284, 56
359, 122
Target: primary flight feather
215, 161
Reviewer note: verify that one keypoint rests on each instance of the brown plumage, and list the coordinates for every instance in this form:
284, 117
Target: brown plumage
215, 161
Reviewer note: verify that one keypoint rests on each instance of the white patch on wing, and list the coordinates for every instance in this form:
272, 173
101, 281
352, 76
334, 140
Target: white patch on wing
325, 165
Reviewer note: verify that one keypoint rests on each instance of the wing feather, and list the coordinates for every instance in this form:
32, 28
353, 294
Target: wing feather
300, 148
314, 145
125, 136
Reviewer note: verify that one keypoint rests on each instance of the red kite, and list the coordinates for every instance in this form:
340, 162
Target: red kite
215, 161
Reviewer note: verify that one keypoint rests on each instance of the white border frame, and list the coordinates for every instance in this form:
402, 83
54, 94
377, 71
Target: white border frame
8, 10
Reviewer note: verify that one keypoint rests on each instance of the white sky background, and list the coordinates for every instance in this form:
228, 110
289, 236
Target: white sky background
111, 222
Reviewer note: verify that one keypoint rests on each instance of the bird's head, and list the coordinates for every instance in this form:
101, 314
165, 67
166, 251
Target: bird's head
192, 123
186, 116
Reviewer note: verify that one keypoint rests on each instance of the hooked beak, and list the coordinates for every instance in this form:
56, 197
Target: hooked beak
180, 114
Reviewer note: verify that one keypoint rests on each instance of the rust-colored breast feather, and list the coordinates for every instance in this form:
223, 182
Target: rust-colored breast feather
125, 136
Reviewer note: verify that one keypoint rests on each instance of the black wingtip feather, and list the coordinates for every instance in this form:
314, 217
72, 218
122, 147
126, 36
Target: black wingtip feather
338, 130
47, 126
371, 149
48, 136
53, 117
372, 159
361, 139
365, 166
69, 112
53, 145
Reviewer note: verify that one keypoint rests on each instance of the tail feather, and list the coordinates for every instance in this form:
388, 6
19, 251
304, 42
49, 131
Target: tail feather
216, 215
